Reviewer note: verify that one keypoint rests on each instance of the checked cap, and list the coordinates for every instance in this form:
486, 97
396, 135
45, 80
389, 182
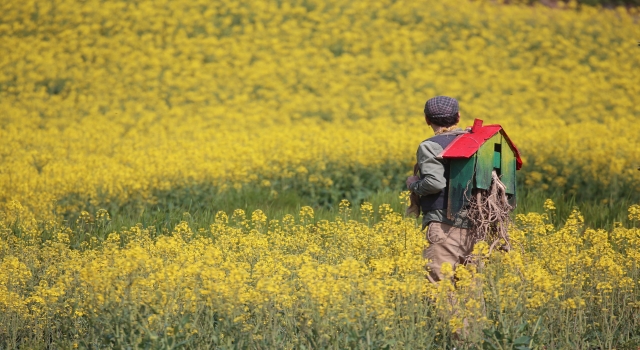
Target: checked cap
441, 106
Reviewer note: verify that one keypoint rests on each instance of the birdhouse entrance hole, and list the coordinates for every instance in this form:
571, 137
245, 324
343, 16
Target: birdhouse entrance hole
497, 150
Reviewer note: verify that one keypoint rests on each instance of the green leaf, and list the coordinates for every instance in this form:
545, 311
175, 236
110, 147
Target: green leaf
522, 340
185, 319
521, 327
522, 347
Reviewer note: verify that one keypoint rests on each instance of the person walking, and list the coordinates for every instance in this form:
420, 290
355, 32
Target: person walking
450, 241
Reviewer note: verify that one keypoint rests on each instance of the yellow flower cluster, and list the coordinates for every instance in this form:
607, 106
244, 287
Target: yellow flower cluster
634, 212
320, 275
108, 101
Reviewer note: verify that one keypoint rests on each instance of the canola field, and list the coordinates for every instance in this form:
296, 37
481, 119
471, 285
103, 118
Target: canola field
110, 107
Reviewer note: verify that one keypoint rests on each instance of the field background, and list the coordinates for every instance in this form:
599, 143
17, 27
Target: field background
128, 128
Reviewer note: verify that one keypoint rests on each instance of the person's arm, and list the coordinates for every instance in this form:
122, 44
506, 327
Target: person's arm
431, 168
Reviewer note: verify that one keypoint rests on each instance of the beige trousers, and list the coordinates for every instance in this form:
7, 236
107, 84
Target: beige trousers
446, 244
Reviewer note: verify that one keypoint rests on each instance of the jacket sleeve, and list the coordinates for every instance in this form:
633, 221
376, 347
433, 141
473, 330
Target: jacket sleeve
431, 170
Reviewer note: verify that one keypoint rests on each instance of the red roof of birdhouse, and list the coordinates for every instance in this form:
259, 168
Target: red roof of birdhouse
467, 144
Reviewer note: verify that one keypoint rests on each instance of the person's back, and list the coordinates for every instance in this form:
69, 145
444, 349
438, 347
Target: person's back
449, 240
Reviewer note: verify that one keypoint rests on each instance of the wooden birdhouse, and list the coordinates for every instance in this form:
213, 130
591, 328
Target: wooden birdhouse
472, 159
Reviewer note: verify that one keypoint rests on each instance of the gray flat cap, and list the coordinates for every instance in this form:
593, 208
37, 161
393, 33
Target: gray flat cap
441, 106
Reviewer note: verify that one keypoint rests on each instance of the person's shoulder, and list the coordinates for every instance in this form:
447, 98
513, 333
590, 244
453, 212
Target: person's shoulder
437, 138
434, 143
429, 148
428, 143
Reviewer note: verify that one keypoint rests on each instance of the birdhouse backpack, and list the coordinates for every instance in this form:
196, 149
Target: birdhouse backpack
475, 159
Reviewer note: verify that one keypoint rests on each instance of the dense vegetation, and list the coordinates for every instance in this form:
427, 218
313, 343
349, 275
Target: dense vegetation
175, 173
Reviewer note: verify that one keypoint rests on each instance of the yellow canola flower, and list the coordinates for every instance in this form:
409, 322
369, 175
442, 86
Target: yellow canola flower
325, 274
104, 102
549, 205
229, 94
634, 212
